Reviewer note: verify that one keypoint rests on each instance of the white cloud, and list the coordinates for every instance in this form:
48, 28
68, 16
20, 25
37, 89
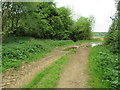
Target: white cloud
100, 9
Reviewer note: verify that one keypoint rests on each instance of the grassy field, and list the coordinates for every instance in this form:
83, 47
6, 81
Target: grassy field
25, 49
103, 68
50, 75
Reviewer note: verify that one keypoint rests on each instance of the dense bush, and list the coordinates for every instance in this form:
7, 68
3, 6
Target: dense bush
82, 29
43, 20
103, 68
38, 19
19, 49
112, 39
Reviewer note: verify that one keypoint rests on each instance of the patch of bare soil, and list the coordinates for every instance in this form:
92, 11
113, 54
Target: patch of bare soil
18, 78
75, 74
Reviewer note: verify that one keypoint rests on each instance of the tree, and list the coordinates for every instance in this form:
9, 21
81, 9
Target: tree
43, 20
81, 29
12, 12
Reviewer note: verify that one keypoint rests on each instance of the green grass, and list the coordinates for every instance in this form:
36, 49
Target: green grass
49, 76
89, 41
96, 40
103, 68
25, 49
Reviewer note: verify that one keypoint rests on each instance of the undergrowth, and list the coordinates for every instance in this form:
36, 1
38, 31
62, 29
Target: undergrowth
26, 49
103, 68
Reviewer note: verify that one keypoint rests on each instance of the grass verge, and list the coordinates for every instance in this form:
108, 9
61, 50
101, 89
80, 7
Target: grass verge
25, 49
49, 76
89, 41
96, 40
103, 68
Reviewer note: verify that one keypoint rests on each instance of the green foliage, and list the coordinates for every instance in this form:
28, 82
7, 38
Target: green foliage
81, 29
19, 49
109, 66
49, 76
24, 49
103, 68
43, 20
65, 16
112, 39
38, 19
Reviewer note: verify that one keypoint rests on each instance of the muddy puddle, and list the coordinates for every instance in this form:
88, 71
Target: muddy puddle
95, 44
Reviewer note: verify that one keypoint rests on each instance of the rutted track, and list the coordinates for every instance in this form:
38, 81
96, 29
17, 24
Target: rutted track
16, 79
75, 74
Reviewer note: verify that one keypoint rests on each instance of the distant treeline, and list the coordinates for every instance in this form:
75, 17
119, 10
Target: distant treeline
99, 34
43, 20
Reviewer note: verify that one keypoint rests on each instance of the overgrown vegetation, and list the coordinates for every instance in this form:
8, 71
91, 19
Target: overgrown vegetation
55, 27
25, 49
103, 68
43, 20
103, 63
50, 75
81, 29
112, 38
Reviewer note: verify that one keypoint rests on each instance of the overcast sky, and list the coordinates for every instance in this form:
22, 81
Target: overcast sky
100, 9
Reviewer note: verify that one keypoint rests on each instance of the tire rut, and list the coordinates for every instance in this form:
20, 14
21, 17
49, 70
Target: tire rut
20, 77
74, 74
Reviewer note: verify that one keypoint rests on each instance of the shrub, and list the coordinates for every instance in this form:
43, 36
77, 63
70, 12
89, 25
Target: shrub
103, 68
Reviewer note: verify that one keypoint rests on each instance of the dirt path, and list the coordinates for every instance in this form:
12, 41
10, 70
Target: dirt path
16, 79
74, 74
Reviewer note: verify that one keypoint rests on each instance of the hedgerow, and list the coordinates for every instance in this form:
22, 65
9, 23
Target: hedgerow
103, 68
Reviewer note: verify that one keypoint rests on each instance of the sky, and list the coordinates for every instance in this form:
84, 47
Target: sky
102, 10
